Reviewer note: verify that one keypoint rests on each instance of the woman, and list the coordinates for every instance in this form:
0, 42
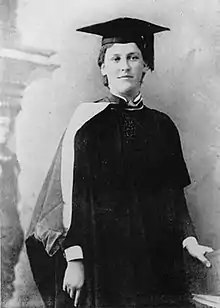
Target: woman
124, 246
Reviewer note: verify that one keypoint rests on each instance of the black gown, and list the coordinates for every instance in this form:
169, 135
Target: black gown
129, 211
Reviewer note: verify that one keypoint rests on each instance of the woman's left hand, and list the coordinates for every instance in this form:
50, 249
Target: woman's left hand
199, 251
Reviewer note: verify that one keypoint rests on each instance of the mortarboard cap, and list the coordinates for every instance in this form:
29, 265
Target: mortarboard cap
127, 30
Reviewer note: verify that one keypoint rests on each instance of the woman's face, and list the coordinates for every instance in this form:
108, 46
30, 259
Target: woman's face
124, 67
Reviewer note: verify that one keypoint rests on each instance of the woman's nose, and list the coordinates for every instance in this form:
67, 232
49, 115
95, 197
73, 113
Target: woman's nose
125, 65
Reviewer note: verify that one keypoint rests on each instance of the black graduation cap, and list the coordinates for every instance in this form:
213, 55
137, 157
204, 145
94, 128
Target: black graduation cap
127, 30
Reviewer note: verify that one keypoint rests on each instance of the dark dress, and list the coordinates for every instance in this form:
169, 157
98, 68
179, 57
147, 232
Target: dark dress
129, 211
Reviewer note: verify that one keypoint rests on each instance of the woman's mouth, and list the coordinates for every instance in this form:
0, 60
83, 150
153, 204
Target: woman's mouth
125, 77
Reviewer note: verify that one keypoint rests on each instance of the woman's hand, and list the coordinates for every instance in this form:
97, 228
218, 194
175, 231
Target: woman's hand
199, 251
74, 279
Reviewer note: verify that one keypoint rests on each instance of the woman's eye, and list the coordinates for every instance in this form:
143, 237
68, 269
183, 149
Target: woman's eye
116, 59
134, 58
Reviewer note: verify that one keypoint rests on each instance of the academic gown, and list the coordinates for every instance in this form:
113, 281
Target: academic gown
129, 212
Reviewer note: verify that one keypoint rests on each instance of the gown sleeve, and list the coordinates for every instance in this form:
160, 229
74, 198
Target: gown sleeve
187, 227
180, 178
80, 194
178, 169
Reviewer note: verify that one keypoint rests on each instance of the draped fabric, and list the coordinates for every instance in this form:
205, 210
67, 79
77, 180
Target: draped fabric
52, 213
129, 212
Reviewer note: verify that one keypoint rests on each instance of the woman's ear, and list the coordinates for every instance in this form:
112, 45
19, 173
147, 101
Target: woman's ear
145, 68
103, 72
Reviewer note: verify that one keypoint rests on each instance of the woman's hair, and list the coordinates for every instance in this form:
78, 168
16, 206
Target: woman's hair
101, 59
102, 53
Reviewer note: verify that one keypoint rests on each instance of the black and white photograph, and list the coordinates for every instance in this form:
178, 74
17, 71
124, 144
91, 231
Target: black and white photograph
110, 153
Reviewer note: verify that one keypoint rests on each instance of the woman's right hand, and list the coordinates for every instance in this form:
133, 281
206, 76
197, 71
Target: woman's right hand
74, 279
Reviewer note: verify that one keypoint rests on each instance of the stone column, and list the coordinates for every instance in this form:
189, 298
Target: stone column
19, 65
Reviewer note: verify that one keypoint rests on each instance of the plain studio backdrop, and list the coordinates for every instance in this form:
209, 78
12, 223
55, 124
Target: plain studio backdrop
185, 85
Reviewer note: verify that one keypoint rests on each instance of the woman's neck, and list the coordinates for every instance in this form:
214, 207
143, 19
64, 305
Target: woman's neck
128, 98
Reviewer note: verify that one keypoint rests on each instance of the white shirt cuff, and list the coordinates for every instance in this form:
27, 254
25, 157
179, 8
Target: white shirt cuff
73, 253
191, 240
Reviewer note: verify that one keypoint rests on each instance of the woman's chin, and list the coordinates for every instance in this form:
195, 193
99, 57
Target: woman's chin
127, 90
